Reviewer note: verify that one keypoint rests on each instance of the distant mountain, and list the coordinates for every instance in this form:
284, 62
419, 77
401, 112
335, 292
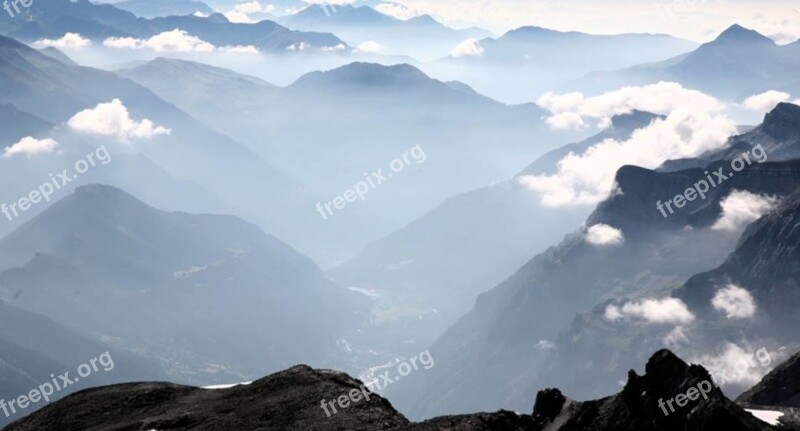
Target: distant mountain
56, 91
54, 18
150, 281
421, 37
398, 106
738, 63
281, 401
528, 321
439, 263
162, 8
529, 61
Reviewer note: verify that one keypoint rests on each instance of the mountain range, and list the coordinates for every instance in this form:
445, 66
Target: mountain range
739, 63
535, 320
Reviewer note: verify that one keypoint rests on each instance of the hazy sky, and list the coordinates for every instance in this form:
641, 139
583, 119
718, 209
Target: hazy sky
698, 20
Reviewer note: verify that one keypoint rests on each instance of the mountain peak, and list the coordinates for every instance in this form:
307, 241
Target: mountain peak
738, 34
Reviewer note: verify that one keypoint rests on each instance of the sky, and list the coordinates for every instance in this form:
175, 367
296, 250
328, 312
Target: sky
698, 20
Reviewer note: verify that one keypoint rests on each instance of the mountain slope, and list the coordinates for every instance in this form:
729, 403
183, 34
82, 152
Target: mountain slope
438, 264
515, 325
421, 37
738, 63
779, 388
54, 18
398, 106
117, 261
151, 9
529, 61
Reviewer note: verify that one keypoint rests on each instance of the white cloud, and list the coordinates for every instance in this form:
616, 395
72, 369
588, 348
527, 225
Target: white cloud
587, 178
566, 121
113, 119
339, 47
175, 41
766, 101
242, 11
200, 14
661, 98
370, 47
734, 365
741, 208
68, 41
397, 10
302, 46
468, 48
603, 234
30, 147
735, 302
661, 311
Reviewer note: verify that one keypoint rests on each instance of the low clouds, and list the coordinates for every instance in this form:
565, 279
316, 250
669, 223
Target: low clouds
735, 302
661, 98
741, 208
603, 234
30, 147
566, 121
468, 48
241, 12
113, 119
68, 41
766, 101
588, 178
660, 311
735, 365
174, 41
692, 127
369, 47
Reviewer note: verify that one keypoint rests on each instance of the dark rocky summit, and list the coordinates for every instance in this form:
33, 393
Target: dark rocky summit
637, 406
291, 400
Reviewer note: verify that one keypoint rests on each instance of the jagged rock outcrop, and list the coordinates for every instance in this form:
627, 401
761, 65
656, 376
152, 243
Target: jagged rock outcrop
639, 405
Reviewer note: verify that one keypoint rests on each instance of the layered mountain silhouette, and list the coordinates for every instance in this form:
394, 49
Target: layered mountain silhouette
740, 62
439, 263
162, 8
530, 61
291, 400
394, 108
421, 37
204, 294
520, 325
53, 19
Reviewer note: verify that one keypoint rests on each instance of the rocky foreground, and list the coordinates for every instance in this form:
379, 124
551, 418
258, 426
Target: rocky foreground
291, 400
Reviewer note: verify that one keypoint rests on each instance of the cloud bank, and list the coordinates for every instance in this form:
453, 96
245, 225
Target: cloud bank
735, 302
741, 208
660, 311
